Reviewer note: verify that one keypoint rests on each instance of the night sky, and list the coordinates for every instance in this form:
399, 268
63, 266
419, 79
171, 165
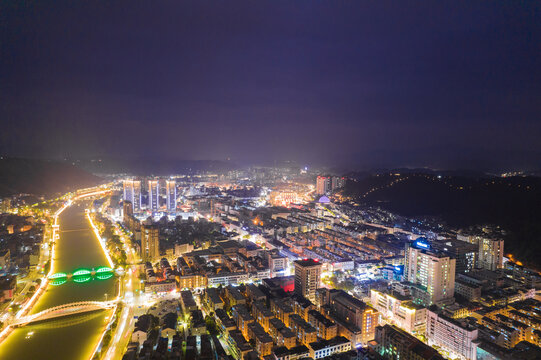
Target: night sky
454, 84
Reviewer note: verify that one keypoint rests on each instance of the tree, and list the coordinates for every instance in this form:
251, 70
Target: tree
211, 325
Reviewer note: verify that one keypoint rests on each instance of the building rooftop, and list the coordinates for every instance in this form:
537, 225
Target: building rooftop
322, 344
308, 262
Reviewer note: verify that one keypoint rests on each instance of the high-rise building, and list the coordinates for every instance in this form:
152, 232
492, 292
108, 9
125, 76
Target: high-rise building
307, 277
490, 247
338, 182
432, 273
464, 253
327, 184
357, 321
323, 185
171, 191
150, 242
132, 193
455, 336
490, 253
153, 195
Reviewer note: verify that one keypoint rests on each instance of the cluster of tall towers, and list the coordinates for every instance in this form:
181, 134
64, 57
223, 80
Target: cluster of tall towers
132, 193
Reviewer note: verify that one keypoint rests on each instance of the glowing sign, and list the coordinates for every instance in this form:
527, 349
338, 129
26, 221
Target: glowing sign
422, 243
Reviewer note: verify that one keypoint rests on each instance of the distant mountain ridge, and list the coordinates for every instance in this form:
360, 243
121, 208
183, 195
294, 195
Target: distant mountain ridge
42, 177
514, 203
158, 167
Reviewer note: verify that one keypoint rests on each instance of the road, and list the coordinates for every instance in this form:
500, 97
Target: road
134, 301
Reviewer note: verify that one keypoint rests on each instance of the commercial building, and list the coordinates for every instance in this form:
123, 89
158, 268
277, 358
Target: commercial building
307, 277
433, 273
400, 310
153, 195
171, 193
132, 193
457, 337
150, 242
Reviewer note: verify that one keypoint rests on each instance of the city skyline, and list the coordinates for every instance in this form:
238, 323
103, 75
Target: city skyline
270, 180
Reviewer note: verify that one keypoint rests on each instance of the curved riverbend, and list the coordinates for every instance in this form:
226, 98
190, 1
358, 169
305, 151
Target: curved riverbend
74, 337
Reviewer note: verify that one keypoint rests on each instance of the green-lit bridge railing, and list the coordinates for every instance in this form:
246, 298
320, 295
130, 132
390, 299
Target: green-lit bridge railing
81, 275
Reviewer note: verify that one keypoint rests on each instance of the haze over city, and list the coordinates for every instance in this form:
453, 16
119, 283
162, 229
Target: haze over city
442, 84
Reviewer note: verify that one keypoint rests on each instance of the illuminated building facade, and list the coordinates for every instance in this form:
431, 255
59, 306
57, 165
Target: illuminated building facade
307, 277
346, 310
171, 191
399, 310
393, 343
132, 193
433, 272
153, 195
150, 242
284, 198
454, 336
490, 253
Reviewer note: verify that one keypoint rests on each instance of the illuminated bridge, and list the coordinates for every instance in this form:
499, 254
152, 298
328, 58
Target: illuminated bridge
64, 310
81, 275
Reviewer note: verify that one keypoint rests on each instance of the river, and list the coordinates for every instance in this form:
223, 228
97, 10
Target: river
74, 337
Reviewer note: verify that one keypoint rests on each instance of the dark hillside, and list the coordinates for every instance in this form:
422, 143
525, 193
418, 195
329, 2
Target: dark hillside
41, 177
513, 203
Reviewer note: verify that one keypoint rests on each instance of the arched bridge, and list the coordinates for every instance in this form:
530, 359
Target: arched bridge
64, 310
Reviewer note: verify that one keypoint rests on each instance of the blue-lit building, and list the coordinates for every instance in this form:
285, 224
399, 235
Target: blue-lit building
171, 194
431, 272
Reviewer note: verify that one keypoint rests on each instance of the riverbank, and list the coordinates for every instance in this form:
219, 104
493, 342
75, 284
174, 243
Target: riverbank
74, 248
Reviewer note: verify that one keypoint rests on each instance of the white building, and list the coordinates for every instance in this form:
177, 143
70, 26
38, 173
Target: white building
277, 264
400, 311
324, 348
452, 335
228, 279
434, 273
